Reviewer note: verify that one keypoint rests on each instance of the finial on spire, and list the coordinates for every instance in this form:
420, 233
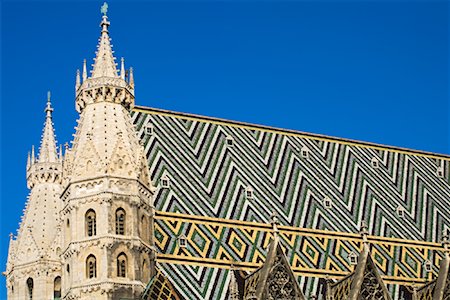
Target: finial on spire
445, 241
122, 68
84, 70
274, 221
104, 9
48, 108
364, 231
104, 23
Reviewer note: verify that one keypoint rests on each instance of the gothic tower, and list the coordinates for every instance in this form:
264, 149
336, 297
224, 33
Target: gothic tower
107, 199
33, 269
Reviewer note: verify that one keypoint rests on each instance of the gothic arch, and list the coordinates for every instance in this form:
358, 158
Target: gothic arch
90, 222
91, 267
122, 265
57, 288
30, 286
144, 228
120, 221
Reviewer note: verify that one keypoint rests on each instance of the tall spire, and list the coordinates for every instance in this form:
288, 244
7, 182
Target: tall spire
104, 65
47, 152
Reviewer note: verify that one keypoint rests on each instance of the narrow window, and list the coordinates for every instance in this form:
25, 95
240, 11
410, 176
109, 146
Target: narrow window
120, 221
30, 288
57, 288
144, 228
90, 221
122, 265
91, 267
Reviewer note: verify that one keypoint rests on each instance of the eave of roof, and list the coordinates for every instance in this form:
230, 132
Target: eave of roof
290, 132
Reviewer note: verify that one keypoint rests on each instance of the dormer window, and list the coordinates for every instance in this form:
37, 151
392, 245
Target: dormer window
249, 193
428, 266
165, 182
401, 211
353, 258
304, 152
375, 163
229, 141
327, 203
149, 129
440, 172
182, 241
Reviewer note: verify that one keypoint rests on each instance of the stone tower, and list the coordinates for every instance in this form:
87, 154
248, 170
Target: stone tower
107, 198
33, 269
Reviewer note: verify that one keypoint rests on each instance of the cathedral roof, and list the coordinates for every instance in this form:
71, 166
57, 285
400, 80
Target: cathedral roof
321, 185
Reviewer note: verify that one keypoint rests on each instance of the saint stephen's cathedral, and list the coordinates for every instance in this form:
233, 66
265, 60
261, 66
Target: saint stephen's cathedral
155, 204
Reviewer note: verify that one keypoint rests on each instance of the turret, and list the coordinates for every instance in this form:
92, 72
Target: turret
37, 245
104, 73
107, 199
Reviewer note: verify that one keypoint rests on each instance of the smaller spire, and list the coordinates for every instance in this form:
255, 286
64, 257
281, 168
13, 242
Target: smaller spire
47, 151
131, 78
84, 70
28, 161
60, 153
77, 81
33, 159
122, 68
233, 286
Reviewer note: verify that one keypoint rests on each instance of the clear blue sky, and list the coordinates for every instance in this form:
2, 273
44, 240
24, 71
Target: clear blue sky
376, 71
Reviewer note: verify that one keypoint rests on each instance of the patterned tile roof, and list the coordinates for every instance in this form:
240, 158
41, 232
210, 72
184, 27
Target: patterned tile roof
237, 171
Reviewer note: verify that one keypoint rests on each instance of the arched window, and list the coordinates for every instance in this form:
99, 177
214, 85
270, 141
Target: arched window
91, 267
120, 221
90, 221
57, 288
122, 265
30, 288
144, 228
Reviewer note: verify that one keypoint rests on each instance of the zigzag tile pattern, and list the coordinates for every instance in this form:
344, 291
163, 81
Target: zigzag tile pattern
209, 177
